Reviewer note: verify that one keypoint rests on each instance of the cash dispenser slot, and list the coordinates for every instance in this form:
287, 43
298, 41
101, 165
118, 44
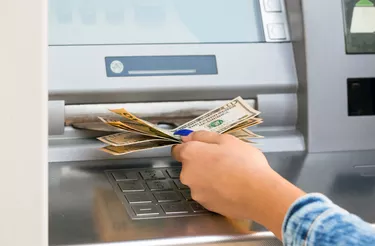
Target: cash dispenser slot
277, 110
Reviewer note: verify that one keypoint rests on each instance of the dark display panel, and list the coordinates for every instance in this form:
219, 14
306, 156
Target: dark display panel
359, 16
361, 96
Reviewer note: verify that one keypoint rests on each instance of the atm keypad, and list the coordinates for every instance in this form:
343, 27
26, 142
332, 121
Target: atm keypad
154, 193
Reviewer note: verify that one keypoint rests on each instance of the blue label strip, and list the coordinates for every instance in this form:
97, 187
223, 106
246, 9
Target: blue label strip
131, 66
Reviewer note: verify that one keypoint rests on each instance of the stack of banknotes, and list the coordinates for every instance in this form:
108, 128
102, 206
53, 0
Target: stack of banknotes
135, 134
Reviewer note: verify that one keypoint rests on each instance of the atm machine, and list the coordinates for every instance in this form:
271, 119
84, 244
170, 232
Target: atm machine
308, 66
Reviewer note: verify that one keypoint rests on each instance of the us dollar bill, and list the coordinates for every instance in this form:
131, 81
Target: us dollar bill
128, 138
244, 134
96, 126
123, 150
143, 125
135, 127
135, 134
222, 118
246, 124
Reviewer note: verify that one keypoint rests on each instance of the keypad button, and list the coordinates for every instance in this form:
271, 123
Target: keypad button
123, 176
167, 196
152, 174
180, 185
272, 5
197, 207
187, 195
174, 172
138, 198
175, 208
159, 185
147, 209
131, 186
276, 31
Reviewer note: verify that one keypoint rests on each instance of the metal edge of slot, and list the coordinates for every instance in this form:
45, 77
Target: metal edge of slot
145, 110
88, 149
278, 17
257, 236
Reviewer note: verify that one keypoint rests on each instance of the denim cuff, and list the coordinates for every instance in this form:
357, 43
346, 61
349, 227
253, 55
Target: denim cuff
300, 217
315, 220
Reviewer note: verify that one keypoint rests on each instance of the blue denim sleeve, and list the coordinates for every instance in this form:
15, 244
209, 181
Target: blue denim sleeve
315, 220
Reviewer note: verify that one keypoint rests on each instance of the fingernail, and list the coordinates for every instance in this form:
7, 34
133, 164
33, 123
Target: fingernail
183, 132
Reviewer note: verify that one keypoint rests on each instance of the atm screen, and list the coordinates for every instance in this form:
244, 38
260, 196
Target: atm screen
359, 16
111, 22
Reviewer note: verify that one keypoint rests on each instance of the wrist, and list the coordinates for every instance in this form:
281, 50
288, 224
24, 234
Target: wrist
271, 200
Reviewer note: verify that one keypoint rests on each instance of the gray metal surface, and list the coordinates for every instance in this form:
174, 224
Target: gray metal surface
81, 145
56, 117
77, 74
156, 21
153, 193
323, 78
84, 209
274, 20
278, 109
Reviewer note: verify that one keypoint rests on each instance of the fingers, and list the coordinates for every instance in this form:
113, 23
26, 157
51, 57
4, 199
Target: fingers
176, 152
190, 150
204, 136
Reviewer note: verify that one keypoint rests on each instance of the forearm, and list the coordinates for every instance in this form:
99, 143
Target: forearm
300, 219
273, 201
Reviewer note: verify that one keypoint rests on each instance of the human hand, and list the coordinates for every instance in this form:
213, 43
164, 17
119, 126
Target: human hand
233, 178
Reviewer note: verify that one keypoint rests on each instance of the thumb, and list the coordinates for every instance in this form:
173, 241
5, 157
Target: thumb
203, 136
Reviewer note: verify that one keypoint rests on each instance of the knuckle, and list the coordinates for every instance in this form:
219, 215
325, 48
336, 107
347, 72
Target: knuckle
184, 152
189, 149
183, 177
203, 134
227, 137
194, 196
198, 135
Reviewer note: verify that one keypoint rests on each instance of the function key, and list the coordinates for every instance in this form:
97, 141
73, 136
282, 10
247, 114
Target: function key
175, 208
147, 209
